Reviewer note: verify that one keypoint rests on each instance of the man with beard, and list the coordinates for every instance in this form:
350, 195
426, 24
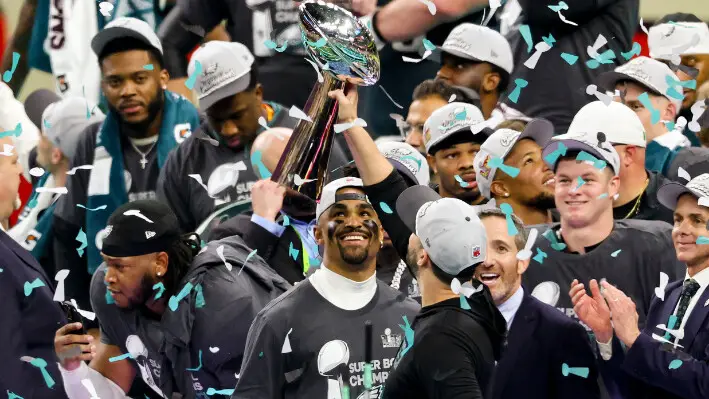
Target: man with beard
540, 339
164, 304
451, 147
453, 343
479, 58
289, 356
124, 153
522, 179
217, 154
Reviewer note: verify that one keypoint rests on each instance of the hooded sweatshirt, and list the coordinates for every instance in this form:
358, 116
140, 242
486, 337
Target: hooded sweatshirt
200, 344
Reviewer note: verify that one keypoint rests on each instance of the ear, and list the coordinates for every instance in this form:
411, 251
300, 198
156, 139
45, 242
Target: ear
318, 233
164, 78
613, 187
490, 81
161, 263
431, 163
670, 112
422, 259
498, 189
522, 266
258, 91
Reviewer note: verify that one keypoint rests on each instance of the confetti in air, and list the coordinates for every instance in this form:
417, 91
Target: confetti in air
286, 344
81, 238
105, 8
80, 167
675, 364
192, 79
7, 75
660, 290
526, 253
654, 113
17, 131
519, 85
390, 98
297, 113
270, 44
527, 36
384, 207
577, 371
200, 363
569, 58
430, 5
30, 286
507, 210
160, 287
175, 299
61, 275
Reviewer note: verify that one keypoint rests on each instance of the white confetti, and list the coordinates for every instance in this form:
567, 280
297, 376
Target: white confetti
214, 349
80, 167
55, 190
526, 253
540, 48
416, 60
299, 181
683, 174
262, 122
84, 313
390, 99
317, 70
430, 5
90, 387
592, 90
295, 112
698, 108
678, 333
7, 150
450, 100
220, 253
642, 26
663, 340
592, 51
286, 344
105, 8
59, 295
660, 290
37, 172
564, 20
466, 288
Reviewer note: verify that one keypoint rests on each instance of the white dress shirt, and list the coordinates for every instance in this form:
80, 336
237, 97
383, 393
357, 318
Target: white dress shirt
510, 307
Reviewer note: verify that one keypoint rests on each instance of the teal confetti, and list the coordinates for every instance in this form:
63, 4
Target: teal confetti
1, 269
670, 125
249, 256
460, 181
192, 79
539, 257
606, 57
47, 124
260, 355
428, 45
256, 160
320, 43
554, 156
175, 300
555, 244
672, 83
81, 237
604, 195
527, 36
507, 210
368, 381
42, 365
579, 182
569, 58
559, 7
148, 67
200, 363
549, 40
32, 203
675, 364
199, 298
578, 371
670, 325
386, 208
161, 290
293, 252
702, 240
345, 392
464, 302
286, 221
98, 208
109, 298
119, 358
12, 395
461, 116
509, 170
408, 335
635, 50
597, 163
17, 131
274, 46
7, 75
314, 262
29, 287
519, 85
615, 254
225, 392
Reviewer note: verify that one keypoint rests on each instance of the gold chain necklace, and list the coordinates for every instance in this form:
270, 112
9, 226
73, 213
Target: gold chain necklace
636, 206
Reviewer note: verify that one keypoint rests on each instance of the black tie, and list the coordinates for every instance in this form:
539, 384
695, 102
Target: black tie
690, 288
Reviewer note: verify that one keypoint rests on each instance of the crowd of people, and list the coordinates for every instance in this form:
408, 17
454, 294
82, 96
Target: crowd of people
536, 225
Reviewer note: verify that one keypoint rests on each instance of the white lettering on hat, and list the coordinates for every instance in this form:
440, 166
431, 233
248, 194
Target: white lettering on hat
507, 139
456, 119
213, 78
404, 156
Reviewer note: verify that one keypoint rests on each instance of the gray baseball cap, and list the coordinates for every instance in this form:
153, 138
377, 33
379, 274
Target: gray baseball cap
125, 27
406, 160
328, 197
452, 119
668, 194
226, 71
65, 121
500, 143
587, 142
449, 229
37, 102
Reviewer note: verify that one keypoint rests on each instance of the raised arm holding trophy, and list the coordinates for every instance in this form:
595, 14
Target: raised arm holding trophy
343, 48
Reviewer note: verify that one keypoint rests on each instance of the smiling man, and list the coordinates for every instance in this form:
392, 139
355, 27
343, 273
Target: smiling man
530, 370
289, 356
451, 147
527, 184
125, 152
588, 243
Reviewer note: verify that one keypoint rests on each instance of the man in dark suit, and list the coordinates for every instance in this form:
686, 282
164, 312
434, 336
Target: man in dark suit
540, 339
29, 315
668, 359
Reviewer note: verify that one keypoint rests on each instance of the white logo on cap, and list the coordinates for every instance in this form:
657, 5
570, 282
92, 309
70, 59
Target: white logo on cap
149, 234
182, 131
211, 69
506, 140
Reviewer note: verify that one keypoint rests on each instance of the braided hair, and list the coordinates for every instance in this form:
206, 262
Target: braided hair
180, 256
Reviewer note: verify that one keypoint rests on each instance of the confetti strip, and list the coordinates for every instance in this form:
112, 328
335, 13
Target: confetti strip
136, 213
98, 208
526, 253
511, 171
654, 113
615, 253
200, 363
292, 252
61, 275
286, 344
660, 290
148, 67
578, 371
341, 127
539, 257
519, 85
7, 75
569, 58
30, 286
635, 50
297, 113
81, 237
507, 210
174, 301
675, 364
161, 290
527, 36
192, 79
220, 253
119, 358
249, 256
80, 167
105, 8
17, 131
317, 44
270, 44
390, 99
317, 70
430, 5
460, 181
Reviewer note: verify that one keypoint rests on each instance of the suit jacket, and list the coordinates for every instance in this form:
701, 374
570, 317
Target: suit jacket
644, 370
29, 320
273, 249
539, 341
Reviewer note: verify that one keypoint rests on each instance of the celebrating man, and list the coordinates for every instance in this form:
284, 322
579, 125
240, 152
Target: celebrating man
124, 153
288, 356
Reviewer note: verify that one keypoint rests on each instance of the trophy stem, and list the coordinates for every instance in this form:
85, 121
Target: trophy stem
308, 150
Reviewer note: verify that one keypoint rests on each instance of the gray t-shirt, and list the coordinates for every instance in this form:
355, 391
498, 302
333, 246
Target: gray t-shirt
631, 258
129, 330
302, 346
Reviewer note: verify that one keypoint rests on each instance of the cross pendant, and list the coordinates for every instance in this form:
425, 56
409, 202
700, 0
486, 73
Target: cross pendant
143, 162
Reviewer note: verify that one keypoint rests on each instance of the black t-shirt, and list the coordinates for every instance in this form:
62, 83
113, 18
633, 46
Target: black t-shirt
452, 356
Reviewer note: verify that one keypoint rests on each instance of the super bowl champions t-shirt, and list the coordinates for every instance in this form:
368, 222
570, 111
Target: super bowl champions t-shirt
302, 346
631, 258
131, 331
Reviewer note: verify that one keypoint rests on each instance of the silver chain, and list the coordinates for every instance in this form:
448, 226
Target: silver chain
143, 155
396, 280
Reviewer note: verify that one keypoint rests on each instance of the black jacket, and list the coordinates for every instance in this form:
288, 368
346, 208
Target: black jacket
231, 300
650, 207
